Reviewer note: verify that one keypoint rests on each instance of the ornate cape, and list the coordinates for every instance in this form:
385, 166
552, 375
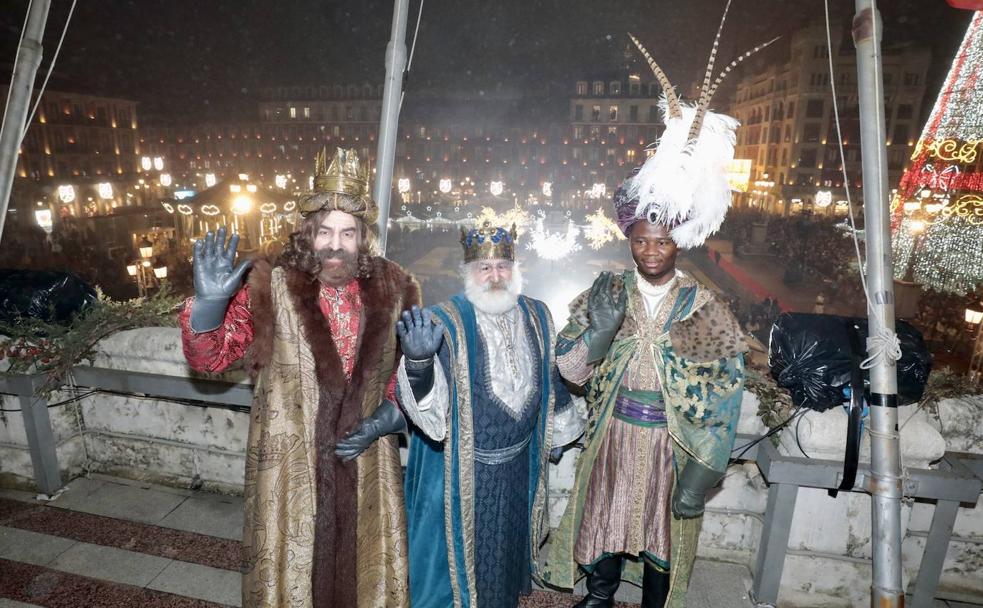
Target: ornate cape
440, 476
700, 365
305, 509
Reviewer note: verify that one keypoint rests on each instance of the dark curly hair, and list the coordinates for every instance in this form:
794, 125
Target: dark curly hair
299, 253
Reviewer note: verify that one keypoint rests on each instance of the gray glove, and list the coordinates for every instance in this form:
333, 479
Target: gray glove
216, 281
690, 495
386, 419
419, 338
606, 315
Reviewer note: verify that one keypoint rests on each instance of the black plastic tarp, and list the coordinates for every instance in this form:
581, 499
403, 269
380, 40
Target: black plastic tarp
812, 356
49, 295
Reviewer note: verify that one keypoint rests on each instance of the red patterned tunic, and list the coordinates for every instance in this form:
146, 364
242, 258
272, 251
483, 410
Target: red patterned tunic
216, 350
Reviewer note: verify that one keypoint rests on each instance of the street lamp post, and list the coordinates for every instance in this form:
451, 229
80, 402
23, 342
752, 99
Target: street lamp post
147, 274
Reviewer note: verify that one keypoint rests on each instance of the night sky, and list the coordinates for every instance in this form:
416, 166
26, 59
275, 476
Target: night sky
193, 60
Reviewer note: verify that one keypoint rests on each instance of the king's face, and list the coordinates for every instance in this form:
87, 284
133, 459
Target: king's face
492, 273
338, 232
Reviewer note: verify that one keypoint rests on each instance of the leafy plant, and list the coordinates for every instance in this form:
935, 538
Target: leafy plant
34, 345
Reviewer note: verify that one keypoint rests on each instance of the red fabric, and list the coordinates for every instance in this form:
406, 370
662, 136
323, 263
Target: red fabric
215, 351
971, 5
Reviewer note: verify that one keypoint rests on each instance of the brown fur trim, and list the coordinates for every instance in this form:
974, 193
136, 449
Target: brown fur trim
264, 318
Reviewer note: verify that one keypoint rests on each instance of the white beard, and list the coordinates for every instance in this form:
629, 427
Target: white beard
493, 301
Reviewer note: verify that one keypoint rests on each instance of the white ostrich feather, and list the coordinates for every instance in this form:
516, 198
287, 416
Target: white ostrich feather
684, 184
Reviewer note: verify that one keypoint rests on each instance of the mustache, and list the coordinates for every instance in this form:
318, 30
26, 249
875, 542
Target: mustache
334, 254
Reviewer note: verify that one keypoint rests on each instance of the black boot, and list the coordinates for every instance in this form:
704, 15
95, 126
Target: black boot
655, 587
602, 583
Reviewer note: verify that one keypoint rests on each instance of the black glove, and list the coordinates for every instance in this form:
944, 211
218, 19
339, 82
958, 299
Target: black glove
216, 281
386, 419
420, 375
557, 453
419, 338
606, 315
690, 495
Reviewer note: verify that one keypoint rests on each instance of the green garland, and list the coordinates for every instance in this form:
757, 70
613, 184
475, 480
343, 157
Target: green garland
34, 346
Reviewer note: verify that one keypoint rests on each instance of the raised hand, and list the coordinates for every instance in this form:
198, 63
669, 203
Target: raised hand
419, 334
606, 315
216, 280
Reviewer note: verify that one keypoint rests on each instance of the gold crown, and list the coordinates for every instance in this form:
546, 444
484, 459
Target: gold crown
488, 242
346, 175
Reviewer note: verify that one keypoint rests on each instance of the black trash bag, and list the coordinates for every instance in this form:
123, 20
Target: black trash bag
811, 356
49, 295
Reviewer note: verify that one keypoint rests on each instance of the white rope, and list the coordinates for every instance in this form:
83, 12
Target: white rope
884, 342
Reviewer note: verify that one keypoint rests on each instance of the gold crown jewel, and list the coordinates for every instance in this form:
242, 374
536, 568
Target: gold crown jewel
347, 176
488, 242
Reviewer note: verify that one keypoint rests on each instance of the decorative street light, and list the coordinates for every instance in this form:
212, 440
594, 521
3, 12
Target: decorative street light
403, 185
105, 190
445, 185
146, 164
547, 189
158, 163
146, 249
66, 193
147, 274
209, 180
496, 188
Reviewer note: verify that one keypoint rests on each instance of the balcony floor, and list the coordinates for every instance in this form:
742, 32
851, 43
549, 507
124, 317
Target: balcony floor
106, 541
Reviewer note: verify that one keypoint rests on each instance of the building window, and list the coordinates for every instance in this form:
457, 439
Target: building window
615, 88
612, 130
905, 111
307, 112
633, 113
349, 113
578, 113
911, 79
810, 133
654, 89
900, 136
814, 108
613, 114
791, 110
578, 132
582, 87
293, 112
634, 89
807, 158
598, 87
595, 113
653, 113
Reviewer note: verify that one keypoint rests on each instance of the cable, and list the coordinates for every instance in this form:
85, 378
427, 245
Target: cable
409, 61
884, 342
51, 68
60, 403
744, 448
797, 442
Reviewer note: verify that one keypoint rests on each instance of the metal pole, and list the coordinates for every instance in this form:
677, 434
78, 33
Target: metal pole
388, 127
884, 483
19, 100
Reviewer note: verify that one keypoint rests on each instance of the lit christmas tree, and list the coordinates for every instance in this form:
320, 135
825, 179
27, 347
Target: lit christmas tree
937, 213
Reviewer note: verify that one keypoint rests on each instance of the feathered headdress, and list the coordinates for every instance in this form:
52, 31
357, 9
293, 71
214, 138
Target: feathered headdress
684, 184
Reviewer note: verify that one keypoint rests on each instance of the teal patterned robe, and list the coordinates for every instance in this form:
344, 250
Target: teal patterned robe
698, 350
